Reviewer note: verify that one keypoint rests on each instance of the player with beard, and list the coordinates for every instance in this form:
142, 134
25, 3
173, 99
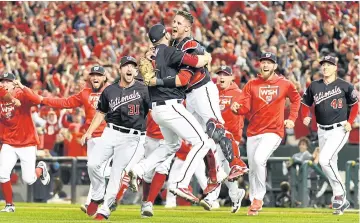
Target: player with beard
263, 103
88, 98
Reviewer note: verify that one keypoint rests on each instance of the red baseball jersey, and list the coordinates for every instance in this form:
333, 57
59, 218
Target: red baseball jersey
18, 129
264, 104
152, 129
51, 130
233, 123
86, 98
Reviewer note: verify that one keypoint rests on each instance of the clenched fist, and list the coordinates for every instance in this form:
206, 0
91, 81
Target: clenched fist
235, 107
289, 124
307, 121
85, 138
347, 127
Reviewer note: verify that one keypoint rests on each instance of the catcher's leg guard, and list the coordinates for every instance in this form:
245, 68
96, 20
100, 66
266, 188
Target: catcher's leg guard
215, 130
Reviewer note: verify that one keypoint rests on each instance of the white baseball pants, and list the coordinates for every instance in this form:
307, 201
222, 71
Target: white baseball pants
175, 171
8, 158
232, 186
331, 142
105, 168
127, 150
177, 123
151, 150
259, 149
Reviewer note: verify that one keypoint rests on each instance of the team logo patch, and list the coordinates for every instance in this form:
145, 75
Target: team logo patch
94, 99
354, 94
268, 94
6, 74
267, 54
223, 67
225, 102
327, 57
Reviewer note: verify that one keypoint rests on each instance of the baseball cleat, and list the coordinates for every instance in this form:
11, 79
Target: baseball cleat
45, 176
206, 204
185, 193
338, 202
237, 204
100, 217
251, 213
8, 208
84, 207
256, 205
147, 209
211, 187
92, 208
342, 209
236, 172
113, 207
133, 183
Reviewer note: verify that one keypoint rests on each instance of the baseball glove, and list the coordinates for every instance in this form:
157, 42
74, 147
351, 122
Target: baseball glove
146, 70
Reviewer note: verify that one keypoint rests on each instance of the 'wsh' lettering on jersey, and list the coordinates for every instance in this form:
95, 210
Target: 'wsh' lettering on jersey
319, 97
114, 104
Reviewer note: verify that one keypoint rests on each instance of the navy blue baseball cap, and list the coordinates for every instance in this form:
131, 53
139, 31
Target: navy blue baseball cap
7, 76
225, 69
329, 59
127, 59
268, 56
97, 70
157, 32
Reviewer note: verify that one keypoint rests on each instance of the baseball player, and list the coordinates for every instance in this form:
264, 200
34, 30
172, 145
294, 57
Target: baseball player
228, 91
202, 97
19, 138
125, 105
333, 97
263, 102
167, 93
88, 98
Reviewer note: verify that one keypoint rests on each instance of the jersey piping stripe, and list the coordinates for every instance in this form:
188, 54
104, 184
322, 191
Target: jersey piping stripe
339, 147
188, 122
208, 96
177, 183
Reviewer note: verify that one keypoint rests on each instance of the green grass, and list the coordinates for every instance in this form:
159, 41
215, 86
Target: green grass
71, 213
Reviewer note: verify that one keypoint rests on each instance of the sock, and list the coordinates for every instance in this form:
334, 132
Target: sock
146, 189
121, 192
38, 172
7, 191
156, 185
210, 158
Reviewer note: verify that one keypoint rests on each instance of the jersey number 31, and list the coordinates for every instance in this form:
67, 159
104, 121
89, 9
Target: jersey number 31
134, 109
336, 103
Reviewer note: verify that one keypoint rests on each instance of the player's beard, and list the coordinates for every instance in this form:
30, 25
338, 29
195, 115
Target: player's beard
269, 73
95, 90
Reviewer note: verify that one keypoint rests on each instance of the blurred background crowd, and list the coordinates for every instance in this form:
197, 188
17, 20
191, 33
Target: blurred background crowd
51, 46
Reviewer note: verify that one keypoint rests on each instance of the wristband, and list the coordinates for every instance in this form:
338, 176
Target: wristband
170, 82
159, 82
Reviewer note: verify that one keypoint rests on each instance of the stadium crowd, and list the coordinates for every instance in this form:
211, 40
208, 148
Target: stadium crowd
50, 47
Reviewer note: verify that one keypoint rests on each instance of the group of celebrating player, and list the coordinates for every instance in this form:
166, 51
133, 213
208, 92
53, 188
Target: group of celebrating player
180, 115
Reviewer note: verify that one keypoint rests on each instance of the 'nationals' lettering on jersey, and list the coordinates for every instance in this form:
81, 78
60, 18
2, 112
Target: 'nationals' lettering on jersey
268, 94
114, 104
321, 96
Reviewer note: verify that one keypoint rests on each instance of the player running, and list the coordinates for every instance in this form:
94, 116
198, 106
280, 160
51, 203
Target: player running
125, 105
263, 103
88, 98
19, 138
333, 97
228, 92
